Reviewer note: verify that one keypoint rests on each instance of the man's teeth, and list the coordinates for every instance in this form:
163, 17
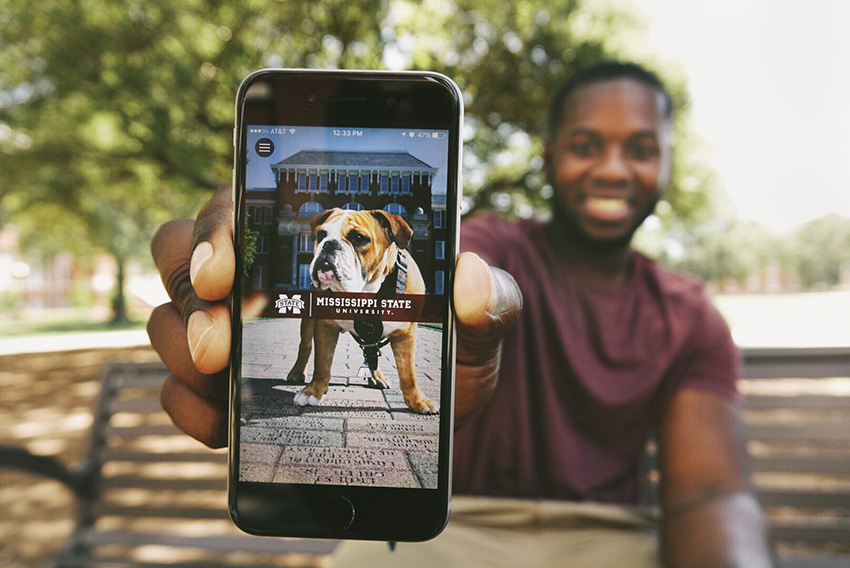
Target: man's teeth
607, 206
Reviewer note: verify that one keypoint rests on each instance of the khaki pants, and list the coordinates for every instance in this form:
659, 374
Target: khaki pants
486, 532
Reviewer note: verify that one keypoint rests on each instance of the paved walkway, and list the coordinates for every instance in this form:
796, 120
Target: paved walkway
357, 436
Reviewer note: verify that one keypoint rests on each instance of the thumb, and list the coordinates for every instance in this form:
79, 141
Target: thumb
487, 302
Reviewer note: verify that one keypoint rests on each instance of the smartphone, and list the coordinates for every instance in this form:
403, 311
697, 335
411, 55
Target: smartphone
346, 192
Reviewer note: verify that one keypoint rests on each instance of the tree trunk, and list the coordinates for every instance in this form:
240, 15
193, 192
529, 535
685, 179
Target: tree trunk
119, 302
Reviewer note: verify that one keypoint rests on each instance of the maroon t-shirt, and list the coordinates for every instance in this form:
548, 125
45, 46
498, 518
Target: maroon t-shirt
585, 372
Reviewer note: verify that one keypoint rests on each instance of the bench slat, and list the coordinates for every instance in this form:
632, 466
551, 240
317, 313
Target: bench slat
804, 499
826, 431
129, 455
153, 483
801, 463
836, 530
796, 363
218, 543
215, 512
797, 402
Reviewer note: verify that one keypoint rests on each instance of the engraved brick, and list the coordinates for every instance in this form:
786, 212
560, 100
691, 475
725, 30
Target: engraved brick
347, 477
346, 458
425, 465
291, 437
258, 454
402, 442
300, 423
415, 428
256, 472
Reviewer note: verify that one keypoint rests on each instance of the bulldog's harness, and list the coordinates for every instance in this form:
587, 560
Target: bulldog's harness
369, 333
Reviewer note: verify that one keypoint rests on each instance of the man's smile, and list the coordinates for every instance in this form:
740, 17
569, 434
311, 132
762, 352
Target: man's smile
607, 209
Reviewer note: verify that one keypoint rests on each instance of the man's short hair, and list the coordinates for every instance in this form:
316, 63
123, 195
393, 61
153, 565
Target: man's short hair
602, 72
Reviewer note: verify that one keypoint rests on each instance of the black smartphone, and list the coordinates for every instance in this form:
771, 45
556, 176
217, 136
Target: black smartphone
346, 222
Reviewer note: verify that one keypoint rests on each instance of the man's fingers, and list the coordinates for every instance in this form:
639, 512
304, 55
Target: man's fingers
213, 262
168, 338
171, 249
204, 419
487, 302
208, 334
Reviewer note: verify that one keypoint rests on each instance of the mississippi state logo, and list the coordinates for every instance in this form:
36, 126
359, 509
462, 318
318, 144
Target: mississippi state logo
284, 304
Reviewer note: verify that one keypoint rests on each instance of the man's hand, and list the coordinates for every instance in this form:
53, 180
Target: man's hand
192, 332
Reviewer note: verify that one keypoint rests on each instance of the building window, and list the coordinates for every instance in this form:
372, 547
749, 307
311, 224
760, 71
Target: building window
397, 209
313, 182
259, 276
305, 242
384, 183
268, 216
302, 182
394, 184
263, 245
440, 250
438, 219
323, 183
352, 206
405, 185
439, 282
352, 183
309, 209
304, 280
364, 183
341, 183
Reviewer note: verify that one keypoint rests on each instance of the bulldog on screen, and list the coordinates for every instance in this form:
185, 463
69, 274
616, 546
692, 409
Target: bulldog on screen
361, 251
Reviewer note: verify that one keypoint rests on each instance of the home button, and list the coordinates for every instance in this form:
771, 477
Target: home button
336, 513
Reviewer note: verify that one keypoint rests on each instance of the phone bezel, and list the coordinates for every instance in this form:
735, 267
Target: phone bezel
376, 99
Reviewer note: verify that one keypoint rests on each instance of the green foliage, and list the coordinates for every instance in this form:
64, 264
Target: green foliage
731, 252
250, 237
822, 250
116, 116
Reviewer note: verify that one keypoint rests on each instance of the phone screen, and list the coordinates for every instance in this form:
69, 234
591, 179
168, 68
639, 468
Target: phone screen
346, 221
358, 433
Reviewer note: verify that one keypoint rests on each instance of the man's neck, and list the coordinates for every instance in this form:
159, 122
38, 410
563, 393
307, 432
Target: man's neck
603, 264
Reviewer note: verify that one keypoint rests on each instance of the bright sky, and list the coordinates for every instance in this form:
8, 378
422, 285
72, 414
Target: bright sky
770, 83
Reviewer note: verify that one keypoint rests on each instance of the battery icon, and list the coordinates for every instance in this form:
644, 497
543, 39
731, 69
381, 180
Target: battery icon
438, 135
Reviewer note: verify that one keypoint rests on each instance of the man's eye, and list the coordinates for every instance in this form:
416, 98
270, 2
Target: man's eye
358, 239
584, 149
643, 150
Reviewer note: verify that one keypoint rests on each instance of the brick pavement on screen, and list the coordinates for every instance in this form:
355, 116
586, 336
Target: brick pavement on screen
357, 436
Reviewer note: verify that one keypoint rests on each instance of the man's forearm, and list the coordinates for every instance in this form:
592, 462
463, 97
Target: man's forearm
725, 530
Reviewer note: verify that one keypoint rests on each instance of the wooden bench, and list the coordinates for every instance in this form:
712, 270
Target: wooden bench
148, 495
797, 410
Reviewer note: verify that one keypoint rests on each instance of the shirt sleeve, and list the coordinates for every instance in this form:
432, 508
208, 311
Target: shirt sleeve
710, 360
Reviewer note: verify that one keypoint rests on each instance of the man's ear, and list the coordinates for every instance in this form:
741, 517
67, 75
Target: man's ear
320, 218
398, 231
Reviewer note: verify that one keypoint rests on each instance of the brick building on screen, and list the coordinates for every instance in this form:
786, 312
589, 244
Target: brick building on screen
309, 182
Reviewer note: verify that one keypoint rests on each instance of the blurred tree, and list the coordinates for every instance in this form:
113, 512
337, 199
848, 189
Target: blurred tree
729, 252
821, 250
115, 116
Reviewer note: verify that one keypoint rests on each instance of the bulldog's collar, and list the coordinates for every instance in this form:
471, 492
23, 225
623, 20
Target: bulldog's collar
369, 333
396, 282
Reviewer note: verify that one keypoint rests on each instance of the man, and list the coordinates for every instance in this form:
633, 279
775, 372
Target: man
551, 417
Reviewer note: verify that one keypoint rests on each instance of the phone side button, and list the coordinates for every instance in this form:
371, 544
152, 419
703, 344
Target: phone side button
336, 513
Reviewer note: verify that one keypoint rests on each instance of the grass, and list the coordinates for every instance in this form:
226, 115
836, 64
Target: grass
60, 321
